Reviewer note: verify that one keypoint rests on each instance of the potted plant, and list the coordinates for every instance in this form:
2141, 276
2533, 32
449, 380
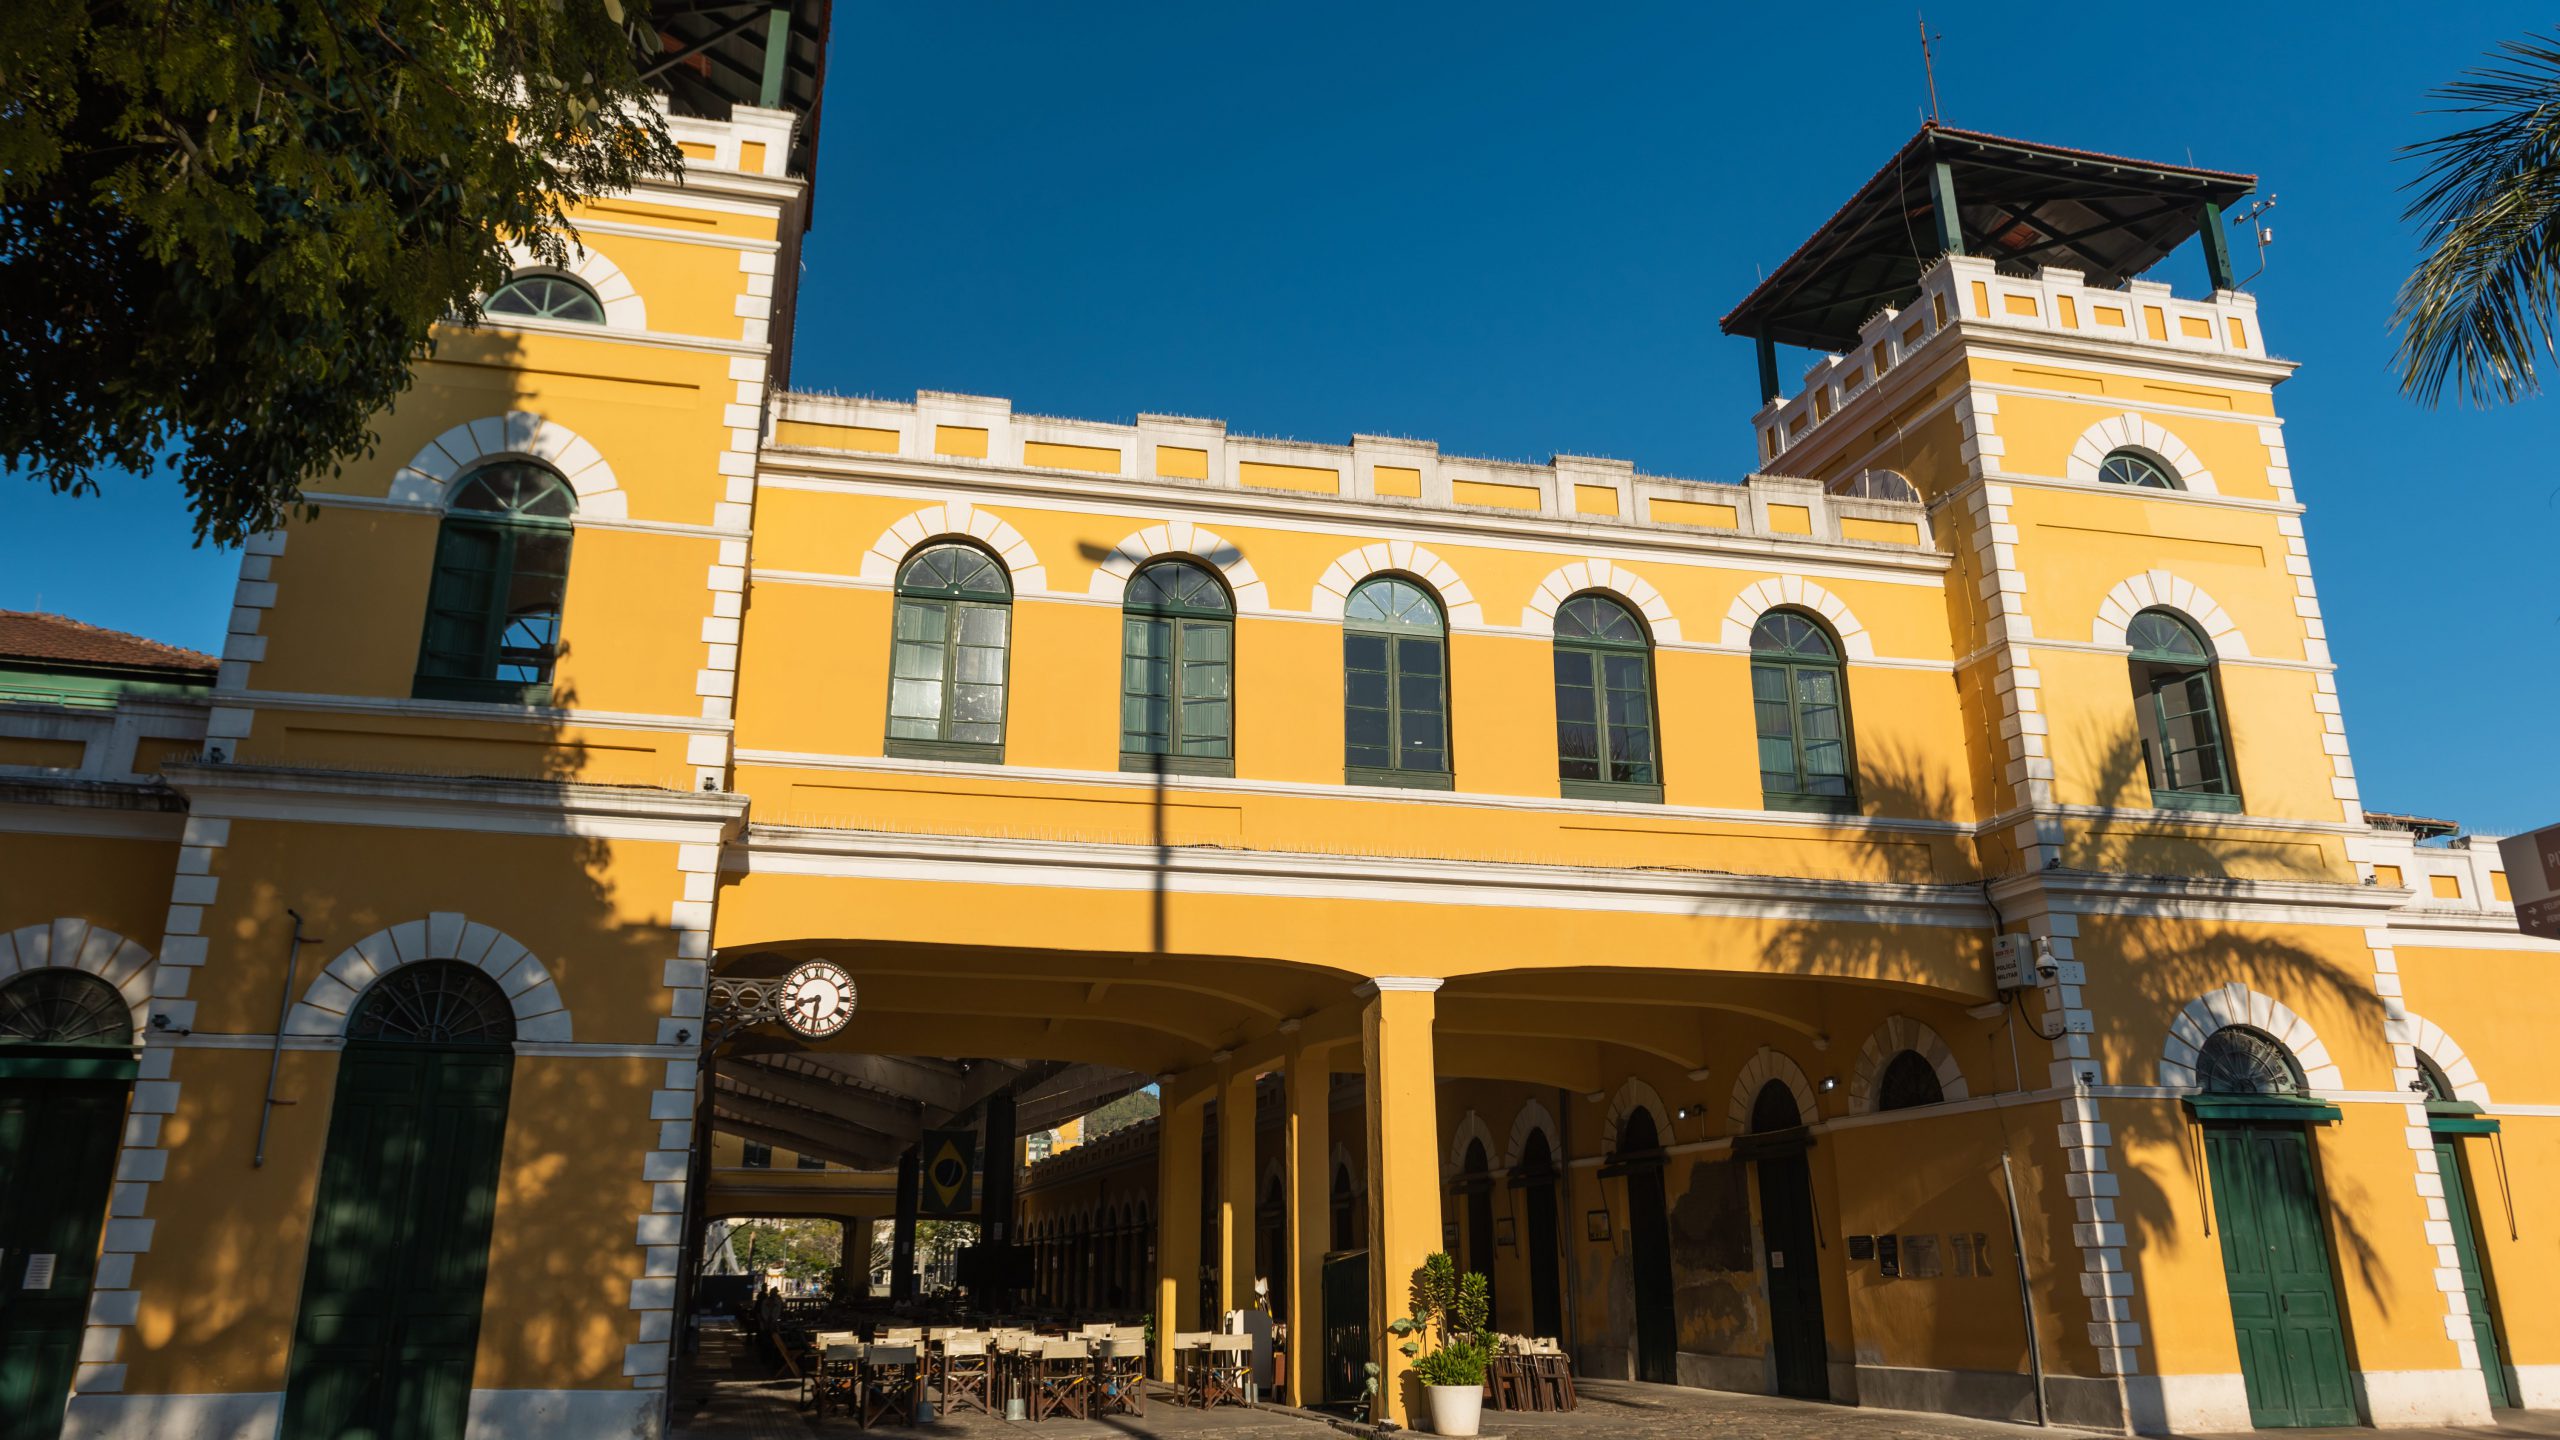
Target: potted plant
1445, 1339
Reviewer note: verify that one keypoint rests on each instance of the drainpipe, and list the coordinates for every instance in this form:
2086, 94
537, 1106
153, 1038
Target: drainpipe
275, 1056
2026, 1295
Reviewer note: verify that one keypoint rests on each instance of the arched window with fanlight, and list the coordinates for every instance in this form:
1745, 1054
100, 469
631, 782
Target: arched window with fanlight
1177, 672
2239, 1060
949, 642
1801, 706
545, 295
2177, 701
502, 572
2140, 469
1909, 1080
1604, 702
1395, 686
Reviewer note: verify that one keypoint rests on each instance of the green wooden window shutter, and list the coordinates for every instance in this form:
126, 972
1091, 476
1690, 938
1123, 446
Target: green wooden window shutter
2177, 708
501, 575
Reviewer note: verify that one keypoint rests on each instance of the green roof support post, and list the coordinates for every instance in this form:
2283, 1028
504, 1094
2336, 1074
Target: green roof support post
2217, 247
1942, 207
777, 56
1768, 349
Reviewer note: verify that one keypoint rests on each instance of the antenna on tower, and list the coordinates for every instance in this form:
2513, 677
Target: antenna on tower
1929, 63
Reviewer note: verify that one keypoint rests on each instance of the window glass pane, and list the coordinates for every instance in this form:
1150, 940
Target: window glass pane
1391, 603
2159, 635
1146, 682
1577, 716
1597, 617
546, 297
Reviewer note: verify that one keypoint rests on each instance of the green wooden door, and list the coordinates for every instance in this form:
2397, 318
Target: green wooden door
2284, 1305
1795, 1277
400, 1244
57, 1159
2462, 1215
1649, 1256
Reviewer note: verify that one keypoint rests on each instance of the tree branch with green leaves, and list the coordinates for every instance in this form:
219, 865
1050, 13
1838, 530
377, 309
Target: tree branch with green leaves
2479, 309
228, 227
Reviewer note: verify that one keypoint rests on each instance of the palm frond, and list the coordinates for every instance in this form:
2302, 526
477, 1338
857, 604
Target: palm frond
2485, 297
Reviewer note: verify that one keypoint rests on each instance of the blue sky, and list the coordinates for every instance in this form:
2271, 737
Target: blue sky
1512, 229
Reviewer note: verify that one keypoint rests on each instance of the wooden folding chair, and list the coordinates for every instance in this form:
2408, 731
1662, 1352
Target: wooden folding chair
1120, 1377
1229, 1365
1190, 1361
1061, 1379
968, 1374
837, 1377
889, 1385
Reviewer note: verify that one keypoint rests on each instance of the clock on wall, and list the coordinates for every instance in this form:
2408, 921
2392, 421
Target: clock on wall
817, 998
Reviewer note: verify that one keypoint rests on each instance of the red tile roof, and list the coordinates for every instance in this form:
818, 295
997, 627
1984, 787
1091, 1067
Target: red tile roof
34, 635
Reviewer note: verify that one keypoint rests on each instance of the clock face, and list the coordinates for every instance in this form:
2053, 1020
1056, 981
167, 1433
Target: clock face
817, 998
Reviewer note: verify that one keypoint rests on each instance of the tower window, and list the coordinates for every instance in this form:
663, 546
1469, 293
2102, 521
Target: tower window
540, 295
502, 571
2177, 702
2132, 467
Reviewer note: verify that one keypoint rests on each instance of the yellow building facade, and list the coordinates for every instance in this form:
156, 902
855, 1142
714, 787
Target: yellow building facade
1897, 930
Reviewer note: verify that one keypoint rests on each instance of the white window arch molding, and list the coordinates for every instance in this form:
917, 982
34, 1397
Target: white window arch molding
1022, 564
325, 1007
1767, 1065
70, 942
1180, 539
2131, 431
1470, 1128
623, 307
1390, 557
1794, 592
2160, 589
2237, 1004
1897, 1034
1567, 581
2414, 1035
514, 435
1533, 1119
1634, 1095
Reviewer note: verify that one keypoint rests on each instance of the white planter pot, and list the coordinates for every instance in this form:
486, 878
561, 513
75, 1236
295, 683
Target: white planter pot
1455, 1409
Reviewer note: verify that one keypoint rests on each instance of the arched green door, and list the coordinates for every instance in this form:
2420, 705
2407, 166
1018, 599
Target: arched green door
66, 1065
1649, 1250
390, 1312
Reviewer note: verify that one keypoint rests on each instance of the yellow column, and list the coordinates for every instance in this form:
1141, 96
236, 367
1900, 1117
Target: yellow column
1404, 1166
1235, 1193
1306, 1152
1177, 1225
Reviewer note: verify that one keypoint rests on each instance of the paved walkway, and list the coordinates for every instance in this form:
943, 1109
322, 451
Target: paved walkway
724, 1394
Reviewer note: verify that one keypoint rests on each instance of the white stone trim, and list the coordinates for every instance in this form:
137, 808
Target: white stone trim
955, 518
2407, 1033
1897, 1034
2315, 630
2131, 431
1533, 1119
2237, 1004
520, 434
252, 596
1181, 538
331, 997
115, 1300
246, 1415
1538, 617
1634, 1094
72, 943
2160, 589
1767, 1065
1333, 592
624, 310
1470, 1127
1794, 592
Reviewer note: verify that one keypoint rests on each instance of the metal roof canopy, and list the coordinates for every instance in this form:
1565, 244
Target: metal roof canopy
712, 55
2012, 201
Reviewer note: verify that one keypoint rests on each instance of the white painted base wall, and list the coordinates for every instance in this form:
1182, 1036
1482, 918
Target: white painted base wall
174, 1417
2180, 1404
2537, 1386
567, 1414
2397, 1398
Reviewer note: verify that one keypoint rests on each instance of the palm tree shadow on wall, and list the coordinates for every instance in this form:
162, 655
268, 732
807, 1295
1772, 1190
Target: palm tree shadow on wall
2143, 970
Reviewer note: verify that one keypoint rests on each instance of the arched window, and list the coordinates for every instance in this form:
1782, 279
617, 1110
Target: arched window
947, 655
1177, 672
2177, 706
502, 569
1775, 1108
2436, 1086
55, 1005
2237, 1060
434, 1002
1395, 686
1604, 702
1908, 1080
545, 295
1348, 1217
1802, 707
1879, 485
2133, 467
